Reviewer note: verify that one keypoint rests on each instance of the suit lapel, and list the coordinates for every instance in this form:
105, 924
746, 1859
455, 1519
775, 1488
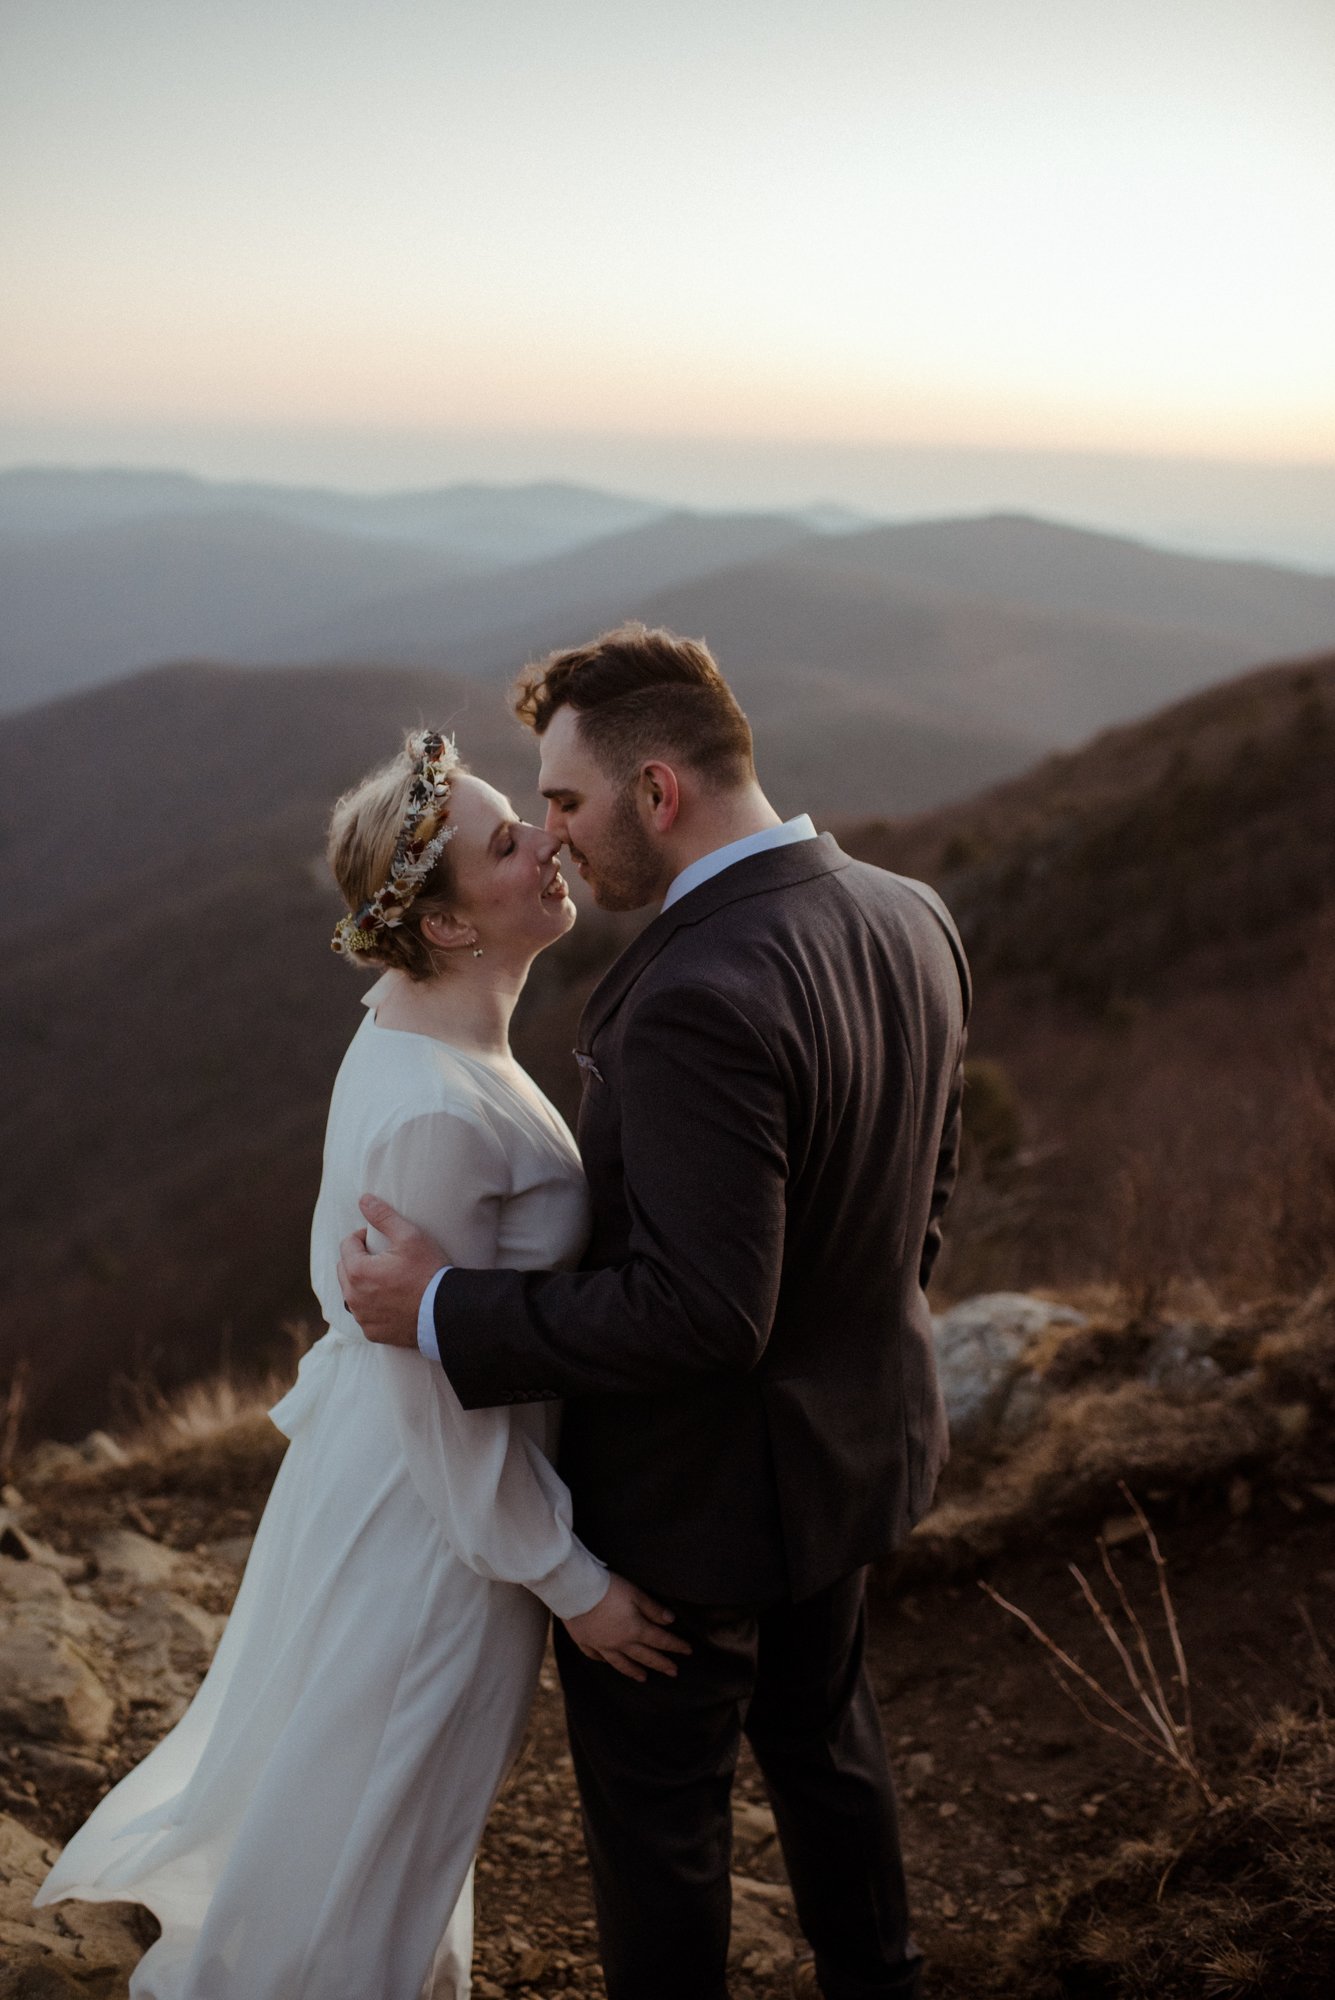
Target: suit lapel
777, 868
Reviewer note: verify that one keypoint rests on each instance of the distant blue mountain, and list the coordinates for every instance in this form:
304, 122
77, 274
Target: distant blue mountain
484, 523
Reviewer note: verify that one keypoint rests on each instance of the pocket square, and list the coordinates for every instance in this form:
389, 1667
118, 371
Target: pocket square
587, 1064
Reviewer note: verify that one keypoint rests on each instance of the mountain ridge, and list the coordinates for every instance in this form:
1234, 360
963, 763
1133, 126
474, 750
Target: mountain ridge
495, 520
998, 623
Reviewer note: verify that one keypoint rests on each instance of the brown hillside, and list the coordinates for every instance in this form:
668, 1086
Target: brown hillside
1151, 922
172, 1025
189, 762
1145, 917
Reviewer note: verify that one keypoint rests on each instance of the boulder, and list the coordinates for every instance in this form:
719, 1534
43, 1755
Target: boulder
164, 1633
231, 1554
133, 1567
124, 1557
33, 1595
48, 1690
25, 1584
67, 1764
84, 1949
34, 1975
164, 1646
983, 1346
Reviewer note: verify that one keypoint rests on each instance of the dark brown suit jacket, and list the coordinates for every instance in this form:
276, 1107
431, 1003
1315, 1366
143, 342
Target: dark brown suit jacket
771, 1113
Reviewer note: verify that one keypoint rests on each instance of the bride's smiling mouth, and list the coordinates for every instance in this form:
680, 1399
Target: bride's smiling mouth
557, 889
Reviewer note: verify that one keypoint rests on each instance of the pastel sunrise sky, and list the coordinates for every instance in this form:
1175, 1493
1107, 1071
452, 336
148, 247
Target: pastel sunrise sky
379, 241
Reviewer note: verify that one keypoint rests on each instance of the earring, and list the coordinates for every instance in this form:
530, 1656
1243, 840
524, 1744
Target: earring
477, 949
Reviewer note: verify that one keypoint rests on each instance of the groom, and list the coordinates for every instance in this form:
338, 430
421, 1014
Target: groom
771, 1113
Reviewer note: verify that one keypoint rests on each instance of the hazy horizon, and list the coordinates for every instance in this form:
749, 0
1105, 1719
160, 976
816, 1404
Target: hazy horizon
1272, 512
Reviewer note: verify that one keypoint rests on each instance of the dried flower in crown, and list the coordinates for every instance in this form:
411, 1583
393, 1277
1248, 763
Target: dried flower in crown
420, 844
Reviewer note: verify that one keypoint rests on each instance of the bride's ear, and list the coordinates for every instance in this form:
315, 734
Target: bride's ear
447, 933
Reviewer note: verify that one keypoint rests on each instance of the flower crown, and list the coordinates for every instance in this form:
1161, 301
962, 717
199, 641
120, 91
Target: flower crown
420, 844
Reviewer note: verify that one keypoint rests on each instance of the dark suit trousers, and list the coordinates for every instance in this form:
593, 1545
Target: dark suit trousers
655, 1763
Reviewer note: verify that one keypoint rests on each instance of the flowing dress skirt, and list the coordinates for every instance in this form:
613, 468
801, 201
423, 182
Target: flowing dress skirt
307, 1830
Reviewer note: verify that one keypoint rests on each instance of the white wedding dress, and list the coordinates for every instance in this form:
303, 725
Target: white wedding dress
307, 1830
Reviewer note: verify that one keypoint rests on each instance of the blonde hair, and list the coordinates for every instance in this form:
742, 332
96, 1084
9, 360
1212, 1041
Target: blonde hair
364, 828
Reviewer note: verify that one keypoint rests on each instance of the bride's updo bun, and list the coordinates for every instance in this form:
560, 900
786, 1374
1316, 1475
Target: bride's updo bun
366, 829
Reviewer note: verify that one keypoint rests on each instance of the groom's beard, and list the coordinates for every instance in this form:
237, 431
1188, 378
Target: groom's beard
627, 872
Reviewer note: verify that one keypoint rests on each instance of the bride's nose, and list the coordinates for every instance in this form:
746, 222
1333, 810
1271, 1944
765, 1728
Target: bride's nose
549, 846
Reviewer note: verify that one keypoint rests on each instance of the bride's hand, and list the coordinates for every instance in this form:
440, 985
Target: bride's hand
625, 1630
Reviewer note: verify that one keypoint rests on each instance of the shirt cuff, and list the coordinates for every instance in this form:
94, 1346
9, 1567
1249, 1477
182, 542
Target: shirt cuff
426, 1318
579, 1583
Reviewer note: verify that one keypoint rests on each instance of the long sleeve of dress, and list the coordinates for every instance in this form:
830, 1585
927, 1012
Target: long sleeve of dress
695, 1296
494, 1493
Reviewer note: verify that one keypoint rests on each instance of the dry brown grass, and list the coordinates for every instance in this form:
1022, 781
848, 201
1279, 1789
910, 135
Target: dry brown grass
187, 1493
1271, 1417
206, 1412
1216, 1905
195, 1466
1088, 1442
1227, 1892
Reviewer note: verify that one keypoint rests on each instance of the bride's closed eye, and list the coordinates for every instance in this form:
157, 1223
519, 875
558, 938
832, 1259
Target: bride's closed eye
509, 842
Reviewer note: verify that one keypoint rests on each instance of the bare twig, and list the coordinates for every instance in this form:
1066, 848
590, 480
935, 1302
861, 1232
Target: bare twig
1142, 1643
1142, 1741
1166, 1740
1139, 1735
1170, 1615
1162, 1724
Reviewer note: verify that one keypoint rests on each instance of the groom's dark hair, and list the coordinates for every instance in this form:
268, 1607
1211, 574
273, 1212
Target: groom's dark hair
641, 693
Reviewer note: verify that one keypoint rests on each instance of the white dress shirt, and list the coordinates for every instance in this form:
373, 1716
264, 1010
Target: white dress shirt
691, 877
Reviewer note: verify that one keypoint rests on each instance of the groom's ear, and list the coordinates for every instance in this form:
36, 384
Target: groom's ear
660, 793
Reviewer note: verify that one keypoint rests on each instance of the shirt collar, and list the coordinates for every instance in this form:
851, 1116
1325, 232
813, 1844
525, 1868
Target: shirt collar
709, 865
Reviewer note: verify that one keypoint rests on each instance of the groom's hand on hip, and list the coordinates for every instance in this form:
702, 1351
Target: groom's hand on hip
382, 1289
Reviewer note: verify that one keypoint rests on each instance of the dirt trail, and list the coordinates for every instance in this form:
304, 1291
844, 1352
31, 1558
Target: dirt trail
1005, 1787
1008, 1794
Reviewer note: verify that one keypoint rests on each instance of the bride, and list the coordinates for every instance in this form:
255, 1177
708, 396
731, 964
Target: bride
307, 1830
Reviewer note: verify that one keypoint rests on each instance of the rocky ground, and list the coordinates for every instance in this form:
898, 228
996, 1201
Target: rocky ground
1047, 1858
